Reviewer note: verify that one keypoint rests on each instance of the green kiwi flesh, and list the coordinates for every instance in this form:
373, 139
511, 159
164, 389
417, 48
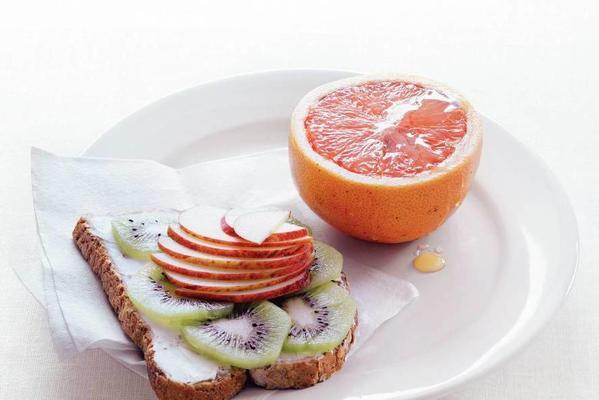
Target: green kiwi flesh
137, 234
155, 297
320, 319
327, 265
250, 338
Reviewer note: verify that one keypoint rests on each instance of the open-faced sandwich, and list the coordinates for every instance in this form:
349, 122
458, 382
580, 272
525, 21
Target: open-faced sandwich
214, 297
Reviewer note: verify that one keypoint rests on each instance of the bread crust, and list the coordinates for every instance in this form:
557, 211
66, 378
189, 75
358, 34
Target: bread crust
308, 371
227, 383
298, 374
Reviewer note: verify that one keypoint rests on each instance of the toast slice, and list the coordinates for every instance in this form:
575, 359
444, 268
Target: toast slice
227, 383
302, 372
295, 373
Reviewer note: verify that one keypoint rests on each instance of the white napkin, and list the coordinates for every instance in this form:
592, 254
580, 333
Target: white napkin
66, 188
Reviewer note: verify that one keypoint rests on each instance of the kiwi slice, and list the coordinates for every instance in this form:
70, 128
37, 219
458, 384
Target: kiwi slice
137, 234
320, 319
155, 297
250, 338
327, 265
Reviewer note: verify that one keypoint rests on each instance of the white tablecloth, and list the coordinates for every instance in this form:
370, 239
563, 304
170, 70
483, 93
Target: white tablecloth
68, 73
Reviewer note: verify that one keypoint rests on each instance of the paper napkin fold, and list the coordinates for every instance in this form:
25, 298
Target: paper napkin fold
64, 188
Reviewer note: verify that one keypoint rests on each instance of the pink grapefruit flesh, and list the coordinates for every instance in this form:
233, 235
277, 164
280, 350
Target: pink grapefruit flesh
386, 128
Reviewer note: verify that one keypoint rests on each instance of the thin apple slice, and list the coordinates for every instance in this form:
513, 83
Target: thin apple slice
257, 226
180, 236
211, 285
169, 263
174, 249
234, 213
204, 223
271, 292
231, 215
286, 234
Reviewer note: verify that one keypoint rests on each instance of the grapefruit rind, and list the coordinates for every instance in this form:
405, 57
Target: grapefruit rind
383, 209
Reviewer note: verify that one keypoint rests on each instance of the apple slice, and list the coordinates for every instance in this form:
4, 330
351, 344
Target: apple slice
257, 226
211, 285
172, 264
174, 249
187, 240
244, 296
231, 215
204, 223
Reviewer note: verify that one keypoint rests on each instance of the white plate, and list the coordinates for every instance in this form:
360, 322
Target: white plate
511, 248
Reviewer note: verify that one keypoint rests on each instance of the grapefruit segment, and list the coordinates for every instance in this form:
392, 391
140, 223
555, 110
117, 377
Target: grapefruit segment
384, 158
385, 128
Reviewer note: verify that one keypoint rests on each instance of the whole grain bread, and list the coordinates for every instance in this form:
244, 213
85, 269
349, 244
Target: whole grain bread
284, 374
227, 383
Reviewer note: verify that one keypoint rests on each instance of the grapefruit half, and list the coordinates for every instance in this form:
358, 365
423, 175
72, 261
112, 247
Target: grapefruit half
384, 158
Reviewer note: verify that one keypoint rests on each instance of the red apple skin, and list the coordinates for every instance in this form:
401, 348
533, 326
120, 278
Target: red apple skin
237, 241
228, 229
247, 274
299, 258
273, 238
241, 287
246, 298
244, 252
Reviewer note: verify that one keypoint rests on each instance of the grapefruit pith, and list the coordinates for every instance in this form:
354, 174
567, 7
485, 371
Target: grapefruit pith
384, 158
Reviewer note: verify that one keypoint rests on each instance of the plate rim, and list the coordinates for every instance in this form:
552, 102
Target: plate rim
516, 344
216, 81
525, 338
